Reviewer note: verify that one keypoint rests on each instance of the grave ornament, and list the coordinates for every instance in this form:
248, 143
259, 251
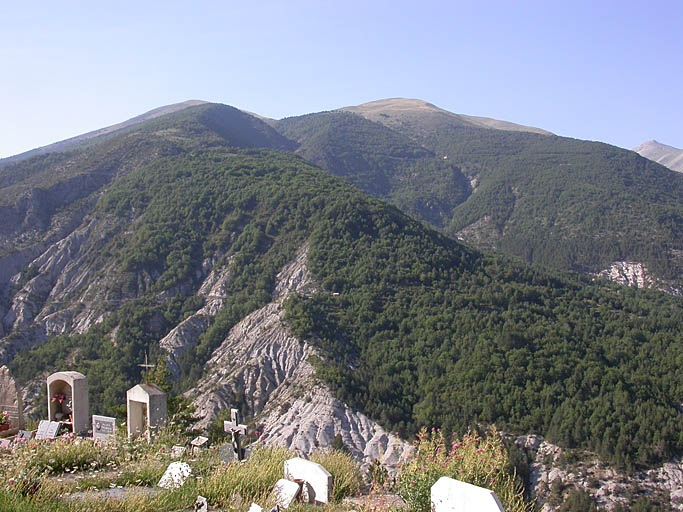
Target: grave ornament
236, 430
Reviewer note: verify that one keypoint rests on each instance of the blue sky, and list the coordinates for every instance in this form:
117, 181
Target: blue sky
604, 70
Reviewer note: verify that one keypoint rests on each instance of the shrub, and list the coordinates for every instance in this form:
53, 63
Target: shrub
481, 461
345, 472
252, 480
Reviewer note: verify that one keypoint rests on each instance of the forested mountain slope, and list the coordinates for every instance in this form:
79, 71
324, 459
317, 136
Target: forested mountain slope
411, 327
564, 203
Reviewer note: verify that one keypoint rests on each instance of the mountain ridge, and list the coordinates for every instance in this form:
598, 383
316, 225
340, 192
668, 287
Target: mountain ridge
668, 156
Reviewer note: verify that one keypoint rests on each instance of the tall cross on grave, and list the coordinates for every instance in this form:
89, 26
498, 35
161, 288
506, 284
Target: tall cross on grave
146, 366
236, 429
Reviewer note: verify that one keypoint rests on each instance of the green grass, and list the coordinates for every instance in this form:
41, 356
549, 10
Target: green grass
69, 474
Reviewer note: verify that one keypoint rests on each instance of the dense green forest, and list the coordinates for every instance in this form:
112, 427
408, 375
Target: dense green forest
413, 327
380, 161
560, 202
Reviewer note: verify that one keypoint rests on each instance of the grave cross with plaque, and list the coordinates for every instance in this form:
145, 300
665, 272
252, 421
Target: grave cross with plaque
236, 429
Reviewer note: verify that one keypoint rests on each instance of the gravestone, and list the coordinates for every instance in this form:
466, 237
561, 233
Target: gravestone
103, 427
199, 443
48, 429
67, 400
449, 495
255, 508
285, 492
319, 479
24, 435
236, 430
175, 475
146, 406
10, 399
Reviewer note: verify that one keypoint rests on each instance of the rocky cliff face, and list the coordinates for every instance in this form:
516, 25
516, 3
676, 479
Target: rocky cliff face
263, 360
636, 274
554, 472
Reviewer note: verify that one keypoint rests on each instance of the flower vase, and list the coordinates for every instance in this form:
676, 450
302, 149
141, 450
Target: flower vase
4, 427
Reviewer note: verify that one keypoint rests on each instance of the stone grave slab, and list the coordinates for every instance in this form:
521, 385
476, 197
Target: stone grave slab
318, 477
103, 427
285, 492
449, 495
175, 475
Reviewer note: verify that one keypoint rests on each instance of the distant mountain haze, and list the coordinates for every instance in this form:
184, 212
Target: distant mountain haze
668, 156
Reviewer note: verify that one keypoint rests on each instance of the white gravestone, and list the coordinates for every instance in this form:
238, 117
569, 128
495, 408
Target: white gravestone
255, 508
318, 477
175, 475
285, 492
449, 495
103, 427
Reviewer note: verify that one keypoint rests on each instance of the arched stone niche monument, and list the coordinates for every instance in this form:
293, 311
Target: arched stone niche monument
146, 407
67, 400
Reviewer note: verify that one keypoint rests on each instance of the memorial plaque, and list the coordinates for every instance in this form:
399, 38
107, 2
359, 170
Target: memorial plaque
42, 429
103, 427
52, 430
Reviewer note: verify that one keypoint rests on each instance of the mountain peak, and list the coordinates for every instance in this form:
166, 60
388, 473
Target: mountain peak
394, 112
668, 156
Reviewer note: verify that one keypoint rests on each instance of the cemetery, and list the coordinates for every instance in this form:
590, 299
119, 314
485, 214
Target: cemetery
72, 460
